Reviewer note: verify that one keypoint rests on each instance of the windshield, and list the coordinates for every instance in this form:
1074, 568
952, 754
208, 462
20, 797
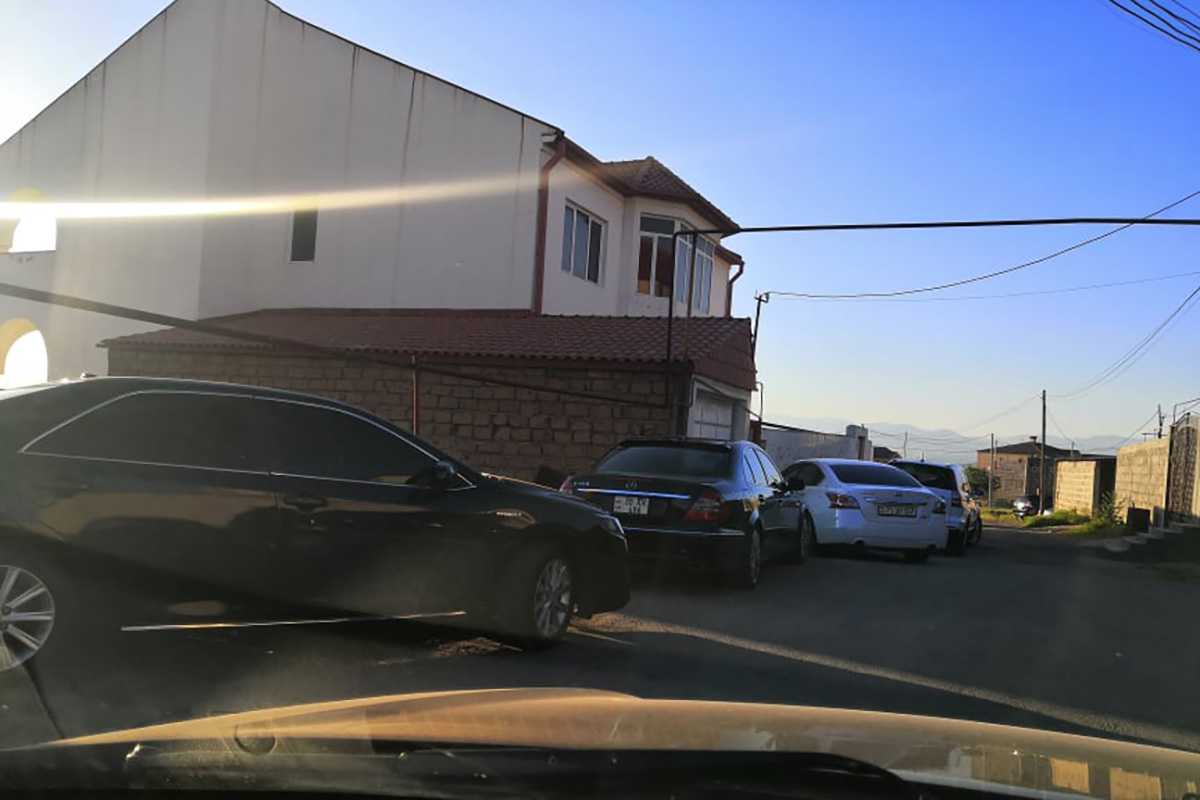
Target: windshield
931, 476
357, 349
685, 462
872, 475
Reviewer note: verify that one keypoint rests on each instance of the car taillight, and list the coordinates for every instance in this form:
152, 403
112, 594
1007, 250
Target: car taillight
568, 486
839, 500
708, 507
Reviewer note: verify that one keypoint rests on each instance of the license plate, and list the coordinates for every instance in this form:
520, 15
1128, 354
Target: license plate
887, 510
631, 505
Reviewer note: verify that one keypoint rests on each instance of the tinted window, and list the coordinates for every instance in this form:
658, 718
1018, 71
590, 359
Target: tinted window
872, 475
687, 462
187, 429
810, 473
768, 468
932, 476
325, 443
752, 470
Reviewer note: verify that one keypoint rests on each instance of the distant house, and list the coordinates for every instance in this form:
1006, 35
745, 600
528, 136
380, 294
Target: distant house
1018, 469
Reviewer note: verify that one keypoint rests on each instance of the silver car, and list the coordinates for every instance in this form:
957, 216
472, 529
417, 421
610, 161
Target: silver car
870, 505
949, 482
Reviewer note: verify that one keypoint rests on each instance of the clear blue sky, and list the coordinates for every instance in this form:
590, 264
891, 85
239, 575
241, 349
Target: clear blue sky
829, 112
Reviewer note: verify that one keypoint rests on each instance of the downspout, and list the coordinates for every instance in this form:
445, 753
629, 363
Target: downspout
543, 213
741, 265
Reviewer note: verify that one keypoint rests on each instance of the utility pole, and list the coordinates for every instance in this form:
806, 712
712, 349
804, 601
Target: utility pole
905, 448
1042, 461
759, 299
991, 470
1160, 420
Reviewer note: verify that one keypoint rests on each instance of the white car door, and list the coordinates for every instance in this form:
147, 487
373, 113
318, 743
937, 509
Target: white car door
813, 493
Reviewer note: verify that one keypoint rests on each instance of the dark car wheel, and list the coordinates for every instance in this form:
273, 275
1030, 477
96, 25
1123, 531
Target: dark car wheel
956, 542
976, 532
27, 611
745, 574
916, 556
541, 598
806, 540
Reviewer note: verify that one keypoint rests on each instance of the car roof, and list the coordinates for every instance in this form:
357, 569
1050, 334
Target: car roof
841, 461
923, 463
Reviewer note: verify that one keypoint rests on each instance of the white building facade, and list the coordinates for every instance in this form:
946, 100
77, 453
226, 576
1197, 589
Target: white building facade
343, 178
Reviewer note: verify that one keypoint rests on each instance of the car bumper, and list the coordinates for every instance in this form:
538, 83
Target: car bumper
706, 548
851, 527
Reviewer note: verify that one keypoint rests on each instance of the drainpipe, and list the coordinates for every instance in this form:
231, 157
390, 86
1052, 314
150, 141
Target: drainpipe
741, 265
543, 213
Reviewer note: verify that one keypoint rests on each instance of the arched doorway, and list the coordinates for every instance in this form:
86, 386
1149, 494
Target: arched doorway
23, 357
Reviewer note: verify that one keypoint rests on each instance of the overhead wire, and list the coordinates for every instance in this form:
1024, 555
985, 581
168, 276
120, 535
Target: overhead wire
1165, 21
1182, 19
1186, 8
988, 275
1158, 28
1131, 355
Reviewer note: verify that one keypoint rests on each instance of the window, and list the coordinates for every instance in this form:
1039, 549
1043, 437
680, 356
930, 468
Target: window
583, 244
666, 267
177, 428
810, 473
757, 476
768, 467
304, 235
321, 442
872, 475
932, 476
656, 256
683, 461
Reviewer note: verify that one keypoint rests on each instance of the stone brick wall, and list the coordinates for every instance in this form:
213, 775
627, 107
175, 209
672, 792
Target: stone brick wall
494, 428
1077, 486
1142, 476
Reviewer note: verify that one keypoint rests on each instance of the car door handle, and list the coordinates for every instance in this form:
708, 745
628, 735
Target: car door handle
304, 502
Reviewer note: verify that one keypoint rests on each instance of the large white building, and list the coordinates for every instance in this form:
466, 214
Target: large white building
344, 179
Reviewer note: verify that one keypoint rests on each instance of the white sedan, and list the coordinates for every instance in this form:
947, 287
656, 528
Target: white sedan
870, 505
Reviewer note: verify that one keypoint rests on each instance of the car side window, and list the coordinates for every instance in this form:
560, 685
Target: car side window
170, 428
321, 442
770, 473
753, 475
811, 474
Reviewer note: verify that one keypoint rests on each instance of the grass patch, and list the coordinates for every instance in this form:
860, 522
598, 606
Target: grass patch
1056, 518
997, 514
1099, 528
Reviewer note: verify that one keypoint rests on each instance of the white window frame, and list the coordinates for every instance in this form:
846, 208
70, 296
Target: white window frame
705, 261
568, 258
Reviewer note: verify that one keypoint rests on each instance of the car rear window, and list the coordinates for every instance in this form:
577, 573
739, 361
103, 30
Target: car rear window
687, 462
930, 475
872, 475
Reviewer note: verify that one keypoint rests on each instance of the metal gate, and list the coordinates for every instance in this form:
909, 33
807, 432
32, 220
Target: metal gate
1181, 469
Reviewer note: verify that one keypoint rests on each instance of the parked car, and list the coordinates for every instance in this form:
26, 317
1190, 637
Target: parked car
949, 482
870, 505
272, 506
716, 504
1024, 507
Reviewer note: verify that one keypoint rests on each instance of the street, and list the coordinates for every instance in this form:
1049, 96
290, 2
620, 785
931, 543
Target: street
1027, 629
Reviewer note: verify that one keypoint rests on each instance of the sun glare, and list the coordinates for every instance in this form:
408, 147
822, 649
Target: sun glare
26, 362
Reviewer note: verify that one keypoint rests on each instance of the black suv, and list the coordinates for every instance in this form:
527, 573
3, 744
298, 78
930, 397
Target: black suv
718, 504
218, 504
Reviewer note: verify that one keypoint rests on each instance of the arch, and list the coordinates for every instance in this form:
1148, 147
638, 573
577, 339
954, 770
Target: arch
23, 357
36, 232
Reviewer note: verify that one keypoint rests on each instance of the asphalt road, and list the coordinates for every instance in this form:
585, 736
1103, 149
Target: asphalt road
1025, 630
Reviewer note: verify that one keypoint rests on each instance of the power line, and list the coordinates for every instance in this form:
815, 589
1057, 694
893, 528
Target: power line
1132, 355
1148, 219
1058, 427
1136, 431
1186, 8
1003, 413
1158, 28
1165, 21
1182, 19
1031, 293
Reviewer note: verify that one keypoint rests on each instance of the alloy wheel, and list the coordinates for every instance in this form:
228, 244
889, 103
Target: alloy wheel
553, 598
26, 615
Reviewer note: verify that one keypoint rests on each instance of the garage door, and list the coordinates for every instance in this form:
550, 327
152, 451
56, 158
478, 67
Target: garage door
712, 416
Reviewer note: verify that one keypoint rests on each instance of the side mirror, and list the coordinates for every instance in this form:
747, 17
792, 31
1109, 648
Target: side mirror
437, 476
795, 483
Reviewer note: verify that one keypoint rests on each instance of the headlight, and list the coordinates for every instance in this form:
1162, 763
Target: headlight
613, 526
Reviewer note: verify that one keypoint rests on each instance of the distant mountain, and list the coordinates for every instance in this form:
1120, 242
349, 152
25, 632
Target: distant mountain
939, 444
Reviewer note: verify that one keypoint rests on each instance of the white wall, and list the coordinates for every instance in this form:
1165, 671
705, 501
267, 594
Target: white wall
135, 126
299, 110
565, 293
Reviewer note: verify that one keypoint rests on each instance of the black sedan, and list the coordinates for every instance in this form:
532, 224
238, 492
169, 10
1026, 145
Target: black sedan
715, 504
222, 505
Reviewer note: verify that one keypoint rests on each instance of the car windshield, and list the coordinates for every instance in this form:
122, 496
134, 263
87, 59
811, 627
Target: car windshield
548, 364
928, 475
703, 463
872, 475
